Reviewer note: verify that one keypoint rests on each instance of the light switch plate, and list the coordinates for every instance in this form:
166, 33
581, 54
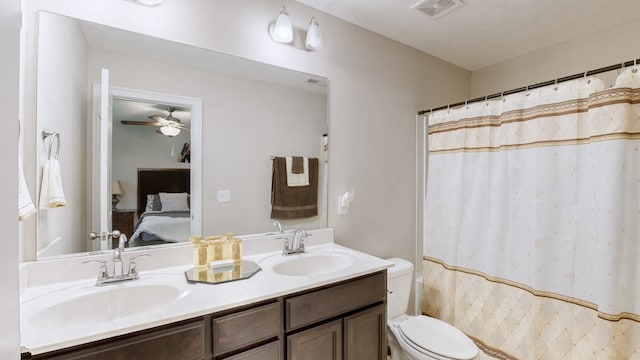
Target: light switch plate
224, 196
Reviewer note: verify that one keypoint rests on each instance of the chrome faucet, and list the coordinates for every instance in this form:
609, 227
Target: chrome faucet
279, 226
117, 253
297, 242
118, 275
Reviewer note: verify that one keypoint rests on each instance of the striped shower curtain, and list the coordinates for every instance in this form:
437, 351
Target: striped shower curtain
532, 221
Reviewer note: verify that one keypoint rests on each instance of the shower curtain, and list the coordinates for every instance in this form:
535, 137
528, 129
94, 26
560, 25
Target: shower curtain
532, 221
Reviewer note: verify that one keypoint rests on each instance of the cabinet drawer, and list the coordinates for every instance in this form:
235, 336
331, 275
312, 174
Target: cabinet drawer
246, 327
326, 303
270, 351
178, 342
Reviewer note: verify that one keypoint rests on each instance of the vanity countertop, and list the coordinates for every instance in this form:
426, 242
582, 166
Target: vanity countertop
60, 315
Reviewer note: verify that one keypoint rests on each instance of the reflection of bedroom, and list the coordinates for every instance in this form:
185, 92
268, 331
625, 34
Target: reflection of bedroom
135, 147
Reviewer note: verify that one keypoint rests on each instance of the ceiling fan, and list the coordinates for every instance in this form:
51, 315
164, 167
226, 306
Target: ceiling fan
167, 125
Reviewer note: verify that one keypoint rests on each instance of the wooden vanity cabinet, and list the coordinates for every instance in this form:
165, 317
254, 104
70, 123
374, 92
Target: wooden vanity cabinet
344, 320
340, 321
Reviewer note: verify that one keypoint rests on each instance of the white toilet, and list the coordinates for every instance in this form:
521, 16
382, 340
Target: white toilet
419, 337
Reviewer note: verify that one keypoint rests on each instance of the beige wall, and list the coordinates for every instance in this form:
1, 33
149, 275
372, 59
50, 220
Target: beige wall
376, 88
9, 73
63, 52
611, 46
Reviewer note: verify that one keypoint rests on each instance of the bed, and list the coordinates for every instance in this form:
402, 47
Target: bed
162, 222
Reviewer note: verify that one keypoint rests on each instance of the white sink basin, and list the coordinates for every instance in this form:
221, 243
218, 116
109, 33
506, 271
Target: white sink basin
313, 264
108, 303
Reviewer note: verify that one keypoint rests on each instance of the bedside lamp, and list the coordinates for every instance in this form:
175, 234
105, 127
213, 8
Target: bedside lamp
116, 191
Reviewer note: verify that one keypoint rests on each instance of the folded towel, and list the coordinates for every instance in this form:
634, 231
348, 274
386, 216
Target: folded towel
51, 193
296, 202
25, 204
297, 179
297, 165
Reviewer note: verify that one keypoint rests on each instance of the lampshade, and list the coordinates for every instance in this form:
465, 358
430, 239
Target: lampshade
282, 30
169, 131
314, 36
116, 188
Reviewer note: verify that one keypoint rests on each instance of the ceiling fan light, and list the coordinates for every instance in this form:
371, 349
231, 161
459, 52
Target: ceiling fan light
169, 131
314, 35
282, 30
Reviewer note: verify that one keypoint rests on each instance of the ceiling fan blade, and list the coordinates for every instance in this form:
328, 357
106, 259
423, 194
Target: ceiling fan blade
147, 123
157, 118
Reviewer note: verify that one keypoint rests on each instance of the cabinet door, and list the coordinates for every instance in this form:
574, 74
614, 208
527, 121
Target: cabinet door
365, 334
322, 342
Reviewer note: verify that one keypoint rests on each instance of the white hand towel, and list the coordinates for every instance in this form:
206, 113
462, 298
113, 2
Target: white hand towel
25, 204
51, 192
301, 179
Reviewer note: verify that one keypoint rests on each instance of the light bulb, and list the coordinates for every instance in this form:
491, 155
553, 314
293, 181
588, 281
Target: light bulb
282, 30
314, 36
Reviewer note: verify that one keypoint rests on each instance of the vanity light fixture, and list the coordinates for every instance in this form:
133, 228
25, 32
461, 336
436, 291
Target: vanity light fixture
282, 30
314, 36
170, 131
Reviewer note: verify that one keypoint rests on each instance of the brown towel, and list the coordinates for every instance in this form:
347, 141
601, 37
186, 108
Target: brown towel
293, 202
297, 165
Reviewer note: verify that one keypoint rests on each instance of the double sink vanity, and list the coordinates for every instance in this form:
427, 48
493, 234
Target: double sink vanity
326, 303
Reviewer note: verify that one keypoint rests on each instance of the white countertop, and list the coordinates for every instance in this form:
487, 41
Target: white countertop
38, 303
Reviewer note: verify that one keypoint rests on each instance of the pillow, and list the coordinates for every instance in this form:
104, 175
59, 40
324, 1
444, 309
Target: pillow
153, 203
174, 201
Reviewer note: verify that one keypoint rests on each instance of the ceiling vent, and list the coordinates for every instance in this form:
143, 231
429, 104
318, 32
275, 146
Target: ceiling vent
437, 8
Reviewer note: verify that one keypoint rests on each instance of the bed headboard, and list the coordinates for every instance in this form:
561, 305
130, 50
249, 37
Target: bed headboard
153, 181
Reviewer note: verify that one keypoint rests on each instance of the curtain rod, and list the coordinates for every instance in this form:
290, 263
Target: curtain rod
538, 85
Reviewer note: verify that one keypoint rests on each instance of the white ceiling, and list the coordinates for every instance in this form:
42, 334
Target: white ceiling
483, 32
140, 111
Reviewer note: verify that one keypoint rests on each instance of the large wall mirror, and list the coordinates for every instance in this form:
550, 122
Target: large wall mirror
181, 120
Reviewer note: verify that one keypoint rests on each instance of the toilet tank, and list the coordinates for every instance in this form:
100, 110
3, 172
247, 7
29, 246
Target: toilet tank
399, 278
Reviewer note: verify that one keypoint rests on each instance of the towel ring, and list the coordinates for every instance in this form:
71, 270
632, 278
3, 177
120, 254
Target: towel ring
54, 136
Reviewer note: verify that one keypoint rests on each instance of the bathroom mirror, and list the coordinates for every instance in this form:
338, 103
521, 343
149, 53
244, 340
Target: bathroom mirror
250, 112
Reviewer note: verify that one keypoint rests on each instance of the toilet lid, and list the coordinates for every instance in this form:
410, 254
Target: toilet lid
438, 337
